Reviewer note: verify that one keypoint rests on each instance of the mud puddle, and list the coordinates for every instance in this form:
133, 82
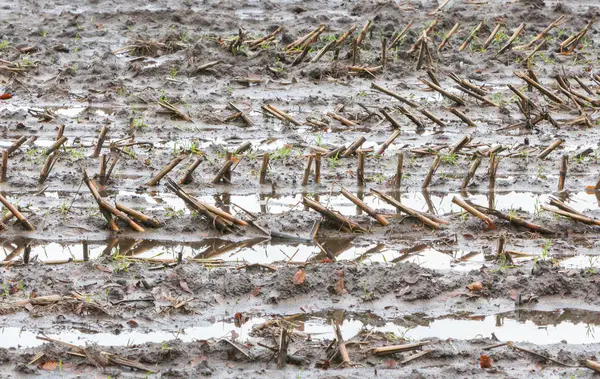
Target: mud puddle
266, 251
540, 327
432, 202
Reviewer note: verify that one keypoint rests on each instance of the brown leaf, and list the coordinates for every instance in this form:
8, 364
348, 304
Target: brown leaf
475, 286
49, 365
104, 268
485, 361
299, 277
185, 287
256, 291
132, 323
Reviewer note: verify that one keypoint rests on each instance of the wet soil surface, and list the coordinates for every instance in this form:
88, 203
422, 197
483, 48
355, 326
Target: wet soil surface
187, 300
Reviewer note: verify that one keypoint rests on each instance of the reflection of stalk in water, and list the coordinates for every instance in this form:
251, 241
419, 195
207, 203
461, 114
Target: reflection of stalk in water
406, 253
229, 246
376, 249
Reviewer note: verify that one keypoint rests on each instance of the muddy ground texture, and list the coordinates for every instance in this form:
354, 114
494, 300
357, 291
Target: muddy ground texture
187, 300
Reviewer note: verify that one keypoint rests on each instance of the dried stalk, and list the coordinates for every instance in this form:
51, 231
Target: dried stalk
448, 36
22, 219
173, 110
470, 37
432, 170
550, 148
188, 176
461, 203
444, 93
101, 138
512, 38
154, 181
368, 210
344, 223
138, 215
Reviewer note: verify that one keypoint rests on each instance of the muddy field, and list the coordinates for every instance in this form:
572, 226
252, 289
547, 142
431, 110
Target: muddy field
336, 189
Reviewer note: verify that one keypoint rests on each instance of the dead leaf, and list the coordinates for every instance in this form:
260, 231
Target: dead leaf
256, 291
49, 365
485, 361
185, 287
132, 323
299, 277
104, 268
475, 286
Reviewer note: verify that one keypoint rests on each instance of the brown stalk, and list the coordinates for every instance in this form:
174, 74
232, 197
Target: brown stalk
355, 145
154, 181
223, 172
101, 138
563, 172
573, 216
273, 110
512, 38
430, 116
360, 169
477, 96
448, 36
216, 221
343, 37
12, 148
368, 210
257, 42
307, 170
341, 119
363, 33
445, 93
388, 116
29, 226
388, 142
48, 165
460, 144
461, 203
399, 170
471, 172
411, 117
242, 114
541, 35
512, 219
432, 170
263, 168
386, 350
539, 87
173, 110
470, 37
138, 215
317, 179
4, 169
341, 345
399, 36
188, 176
550, 148
463, 117
344, 223
490, 39
207, 66
56, 145
393, 94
